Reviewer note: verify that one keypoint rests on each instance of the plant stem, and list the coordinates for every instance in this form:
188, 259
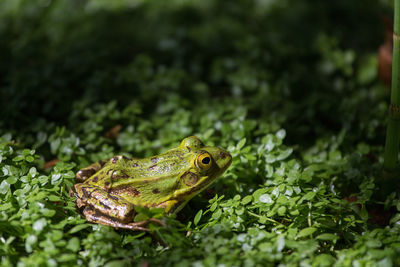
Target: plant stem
393, 129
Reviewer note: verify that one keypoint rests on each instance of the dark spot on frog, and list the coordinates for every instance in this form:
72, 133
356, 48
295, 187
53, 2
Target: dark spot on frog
152, 167
125, 189
107, 186
101, 163
132, 191
156, 191
181, 156
114, 159
222, 155
95, 179
85, 193
154, 160
105, 206
112, 197
125, 157
189, 149
96, 212
135, 164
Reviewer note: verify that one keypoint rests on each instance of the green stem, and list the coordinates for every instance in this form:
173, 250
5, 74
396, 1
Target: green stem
393, 129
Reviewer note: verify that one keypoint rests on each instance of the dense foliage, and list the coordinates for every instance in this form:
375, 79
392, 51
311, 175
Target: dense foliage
290, 88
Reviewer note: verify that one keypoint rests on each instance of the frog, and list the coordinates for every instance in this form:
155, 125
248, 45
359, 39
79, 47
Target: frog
108, 191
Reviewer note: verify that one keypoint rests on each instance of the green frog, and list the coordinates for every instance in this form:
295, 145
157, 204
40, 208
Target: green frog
108, 191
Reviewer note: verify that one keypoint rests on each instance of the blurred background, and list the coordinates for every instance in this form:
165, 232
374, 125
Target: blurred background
309, 64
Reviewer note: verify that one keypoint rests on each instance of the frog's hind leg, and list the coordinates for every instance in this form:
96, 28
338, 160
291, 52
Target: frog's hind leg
94, 217
88, 171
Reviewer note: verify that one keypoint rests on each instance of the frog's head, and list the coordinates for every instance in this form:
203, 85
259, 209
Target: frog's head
206, 165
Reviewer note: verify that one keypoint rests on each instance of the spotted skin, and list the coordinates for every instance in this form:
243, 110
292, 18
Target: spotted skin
108, 191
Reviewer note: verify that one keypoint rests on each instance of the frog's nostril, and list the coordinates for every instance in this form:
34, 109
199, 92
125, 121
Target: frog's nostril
222, 155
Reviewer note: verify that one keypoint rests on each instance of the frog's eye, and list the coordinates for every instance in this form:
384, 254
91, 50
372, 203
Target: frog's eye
204, 161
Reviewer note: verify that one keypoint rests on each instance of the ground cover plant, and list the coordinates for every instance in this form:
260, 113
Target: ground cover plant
289, 88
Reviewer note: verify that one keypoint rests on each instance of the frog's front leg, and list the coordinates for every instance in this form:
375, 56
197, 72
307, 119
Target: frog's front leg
108, 209
115, 207
88, 171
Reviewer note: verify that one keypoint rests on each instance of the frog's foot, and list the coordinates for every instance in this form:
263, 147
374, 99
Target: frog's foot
96, 217
88, 171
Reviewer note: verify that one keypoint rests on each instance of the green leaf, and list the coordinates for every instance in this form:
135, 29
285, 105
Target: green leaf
327, 237
19, 158
74, 244
247, 199
241, 143
217, 214
78, 228
281, 211
29, 158
12, 180
309, 196
30, 242
306, 232
39, 225
4, 187
198, 217
265, 198
281, 134
25, 152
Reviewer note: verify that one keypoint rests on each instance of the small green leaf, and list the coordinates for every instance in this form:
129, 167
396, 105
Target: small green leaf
310, 195
32, 171
39, 224
54, 198
280, 243
141, 217
4, 187
29, 158
241, 144
12, 180
327, 237
30, 241
217, 214
18, 158
265, 198
214, 206
247, 199
281, 210
78, 228
25, 152
306, 232
281, 133
73, 244
198, 217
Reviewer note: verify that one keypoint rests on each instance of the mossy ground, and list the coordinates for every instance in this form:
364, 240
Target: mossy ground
290, 88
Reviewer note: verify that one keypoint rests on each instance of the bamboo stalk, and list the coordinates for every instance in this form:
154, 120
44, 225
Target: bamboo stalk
393, 129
